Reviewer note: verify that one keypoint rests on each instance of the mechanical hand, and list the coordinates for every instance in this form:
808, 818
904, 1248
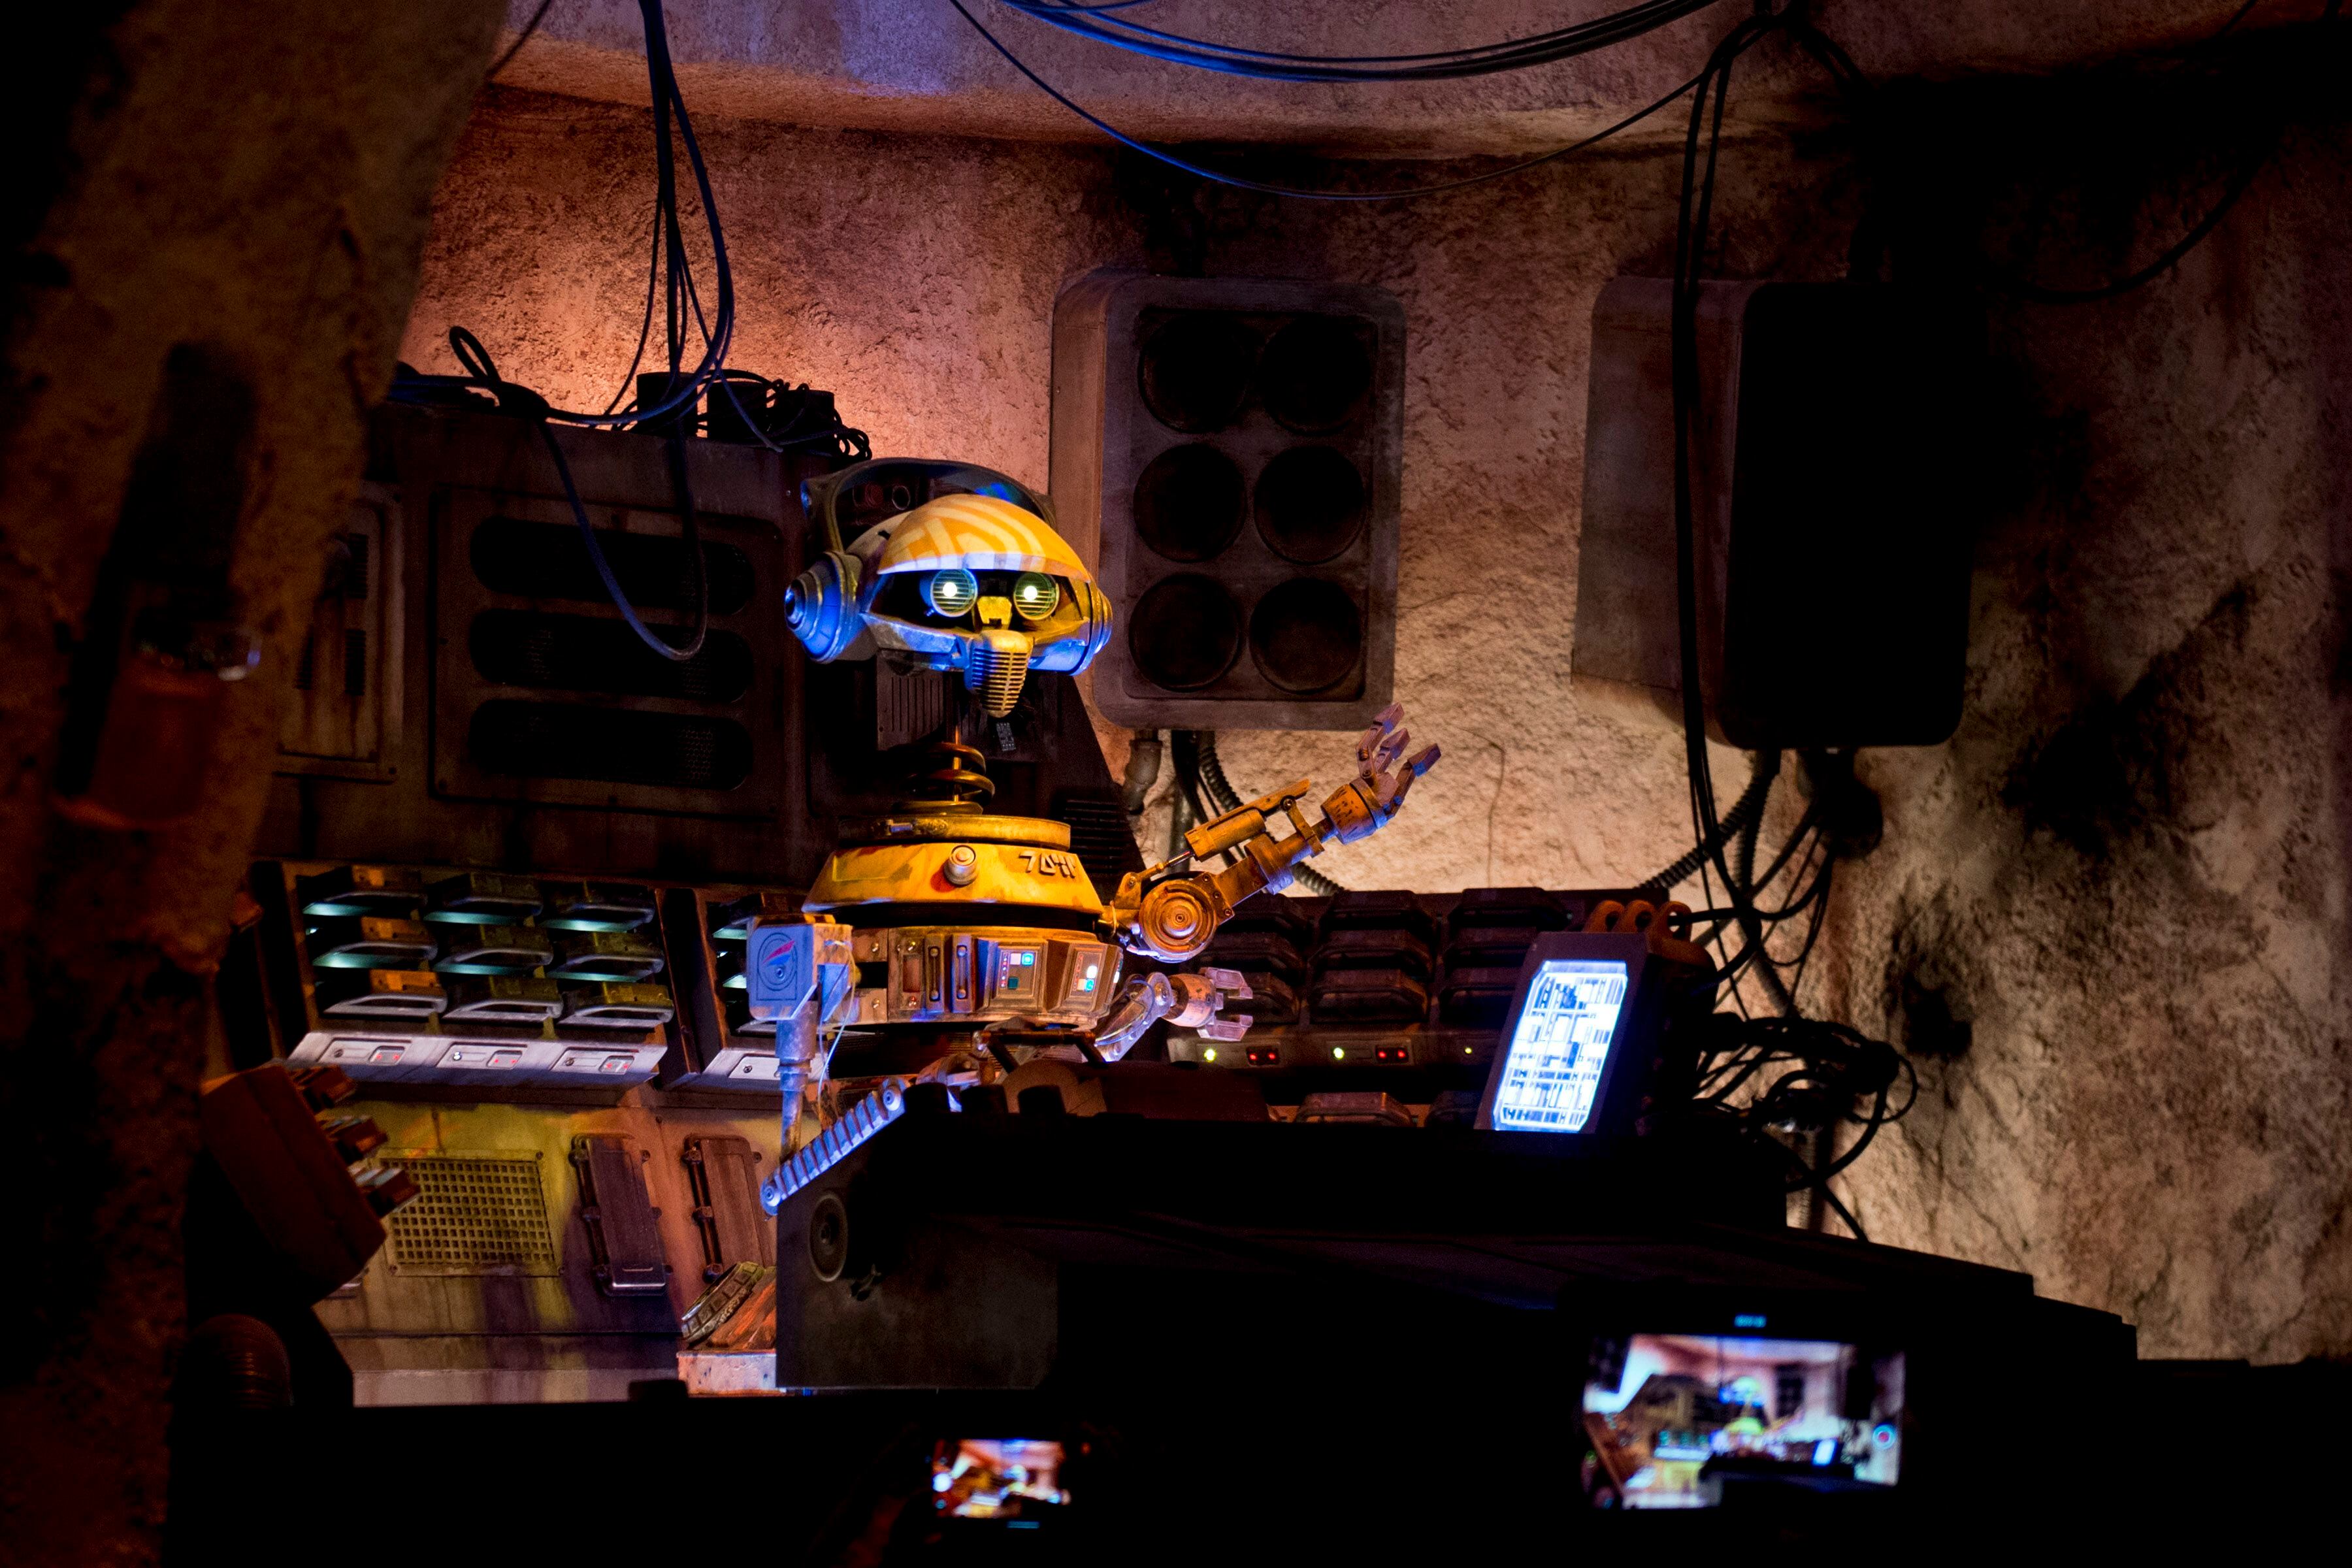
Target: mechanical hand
1170, 912
1188, 1001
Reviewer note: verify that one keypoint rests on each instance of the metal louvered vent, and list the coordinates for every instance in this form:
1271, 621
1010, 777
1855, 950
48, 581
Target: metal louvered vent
609, 745
543, 692
586, 653
1100, 838
548, 561
473, 1214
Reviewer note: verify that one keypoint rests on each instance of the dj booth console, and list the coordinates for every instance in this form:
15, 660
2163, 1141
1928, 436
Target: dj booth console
1437, 1297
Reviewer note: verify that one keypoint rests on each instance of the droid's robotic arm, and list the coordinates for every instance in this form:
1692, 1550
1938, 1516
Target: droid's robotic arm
1171, 912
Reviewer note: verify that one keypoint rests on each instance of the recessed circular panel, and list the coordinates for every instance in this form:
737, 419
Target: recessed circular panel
1307, 634
1310, 504
1316, 373
1195, 369
1188, 503
1186, 631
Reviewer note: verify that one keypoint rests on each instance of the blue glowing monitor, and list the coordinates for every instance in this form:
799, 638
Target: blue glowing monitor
1550, 1078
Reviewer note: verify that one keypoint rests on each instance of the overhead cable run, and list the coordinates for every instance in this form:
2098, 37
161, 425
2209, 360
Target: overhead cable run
676, 397
1108, 24
1262, 187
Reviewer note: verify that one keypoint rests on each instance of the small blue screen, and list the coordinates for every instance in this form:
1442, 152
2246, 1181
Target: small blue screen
1560, 1042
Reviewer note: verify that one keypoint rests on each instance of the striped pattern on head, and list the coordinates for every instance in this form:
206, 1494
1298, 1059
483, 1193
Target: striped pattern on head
979, 533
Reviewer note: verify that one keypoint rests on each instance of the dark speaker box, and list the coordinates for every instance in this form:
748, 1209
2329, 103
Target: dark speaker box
1833, 453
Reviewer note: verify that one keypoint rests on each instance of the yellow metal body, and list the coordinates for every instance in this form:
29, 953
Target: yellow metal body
956, 859
971, 918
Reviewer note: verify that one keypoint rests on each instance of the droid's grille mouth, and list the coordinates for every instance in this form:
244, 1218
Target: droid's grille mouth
997, 670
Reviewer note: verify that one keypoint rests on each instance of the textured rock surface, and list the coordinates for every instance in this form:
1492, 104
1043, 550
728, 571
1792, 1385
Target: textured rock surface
2111, 916
249, 181
2114, 901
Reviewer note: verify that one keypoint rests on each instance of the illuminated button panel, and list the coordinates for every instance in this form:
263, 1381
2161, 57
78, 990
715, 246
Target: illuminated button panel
985, 974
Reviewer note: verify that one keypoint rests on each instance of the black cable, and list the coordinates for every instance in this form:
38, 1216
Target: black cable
2239, 15
1096, 24
671, 114
682, 301
626, 391
1808, 1075
2043, 294
523, 38
1693, 216
2240, 182
1183, 754
1238, 183
482, 371
1748, 808
1812, 929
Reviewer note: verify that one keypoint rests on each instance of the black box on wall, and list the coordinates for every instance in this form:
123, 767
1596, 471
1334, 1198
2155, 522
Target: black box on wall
1833, 455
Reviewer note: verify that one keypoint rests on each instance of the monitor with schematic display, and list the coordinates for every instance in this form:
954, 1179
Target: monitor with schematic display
1574, 1016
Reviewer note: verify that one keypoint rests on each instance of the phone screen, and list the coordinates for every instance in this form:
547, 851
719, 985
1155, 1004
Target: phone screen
1673, 1420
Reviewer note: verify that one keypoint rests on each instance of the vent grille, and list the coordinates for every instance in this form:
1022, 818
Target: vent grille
548, 561
581, 653
1100, 838
552, 740
472, 1214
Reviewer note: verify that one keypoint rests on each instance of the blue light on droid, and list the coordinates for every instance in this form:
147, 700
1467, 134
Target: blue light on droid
1748, 1320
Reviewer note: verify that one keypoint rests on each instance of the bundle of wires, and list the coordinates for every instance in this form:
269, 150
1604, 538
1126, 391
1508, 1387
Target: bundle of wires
672, 412
1794, 1084
1108, 24
1515, 55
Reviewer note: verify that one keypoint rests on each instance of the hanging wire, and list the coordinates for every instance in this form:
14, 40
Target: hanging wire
521, 38
1265, 188
1102, 25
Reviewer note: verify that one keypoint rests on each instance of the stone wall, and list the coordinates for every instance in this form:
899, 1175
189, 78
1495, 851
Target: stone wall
2110, 918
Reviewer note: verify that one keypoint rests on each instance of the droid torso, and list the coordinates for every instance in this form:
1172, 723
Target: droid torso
961, 918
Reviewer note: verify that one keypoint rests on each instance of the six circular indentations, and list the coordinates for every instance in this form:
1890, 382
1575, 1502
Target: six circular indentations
1309, 503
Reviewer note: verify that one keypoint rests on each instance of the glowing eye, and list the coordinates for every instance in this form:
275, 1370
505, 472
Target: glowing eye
1034, 594
951, 591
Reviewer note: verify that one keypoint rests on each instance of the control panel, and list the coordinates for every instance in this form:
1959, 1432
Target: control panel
492, 980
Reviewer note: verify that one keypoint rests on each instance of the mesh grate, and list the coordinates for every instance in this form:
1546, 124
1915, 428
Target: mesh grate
472, 1214
616, 745
1100, 836
548, 561
580, 653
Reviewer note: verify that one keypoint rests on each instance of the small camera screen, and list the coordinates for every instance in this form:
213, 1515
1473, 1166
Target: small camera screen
1010, 1479
1673, 1420
1560, 1042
